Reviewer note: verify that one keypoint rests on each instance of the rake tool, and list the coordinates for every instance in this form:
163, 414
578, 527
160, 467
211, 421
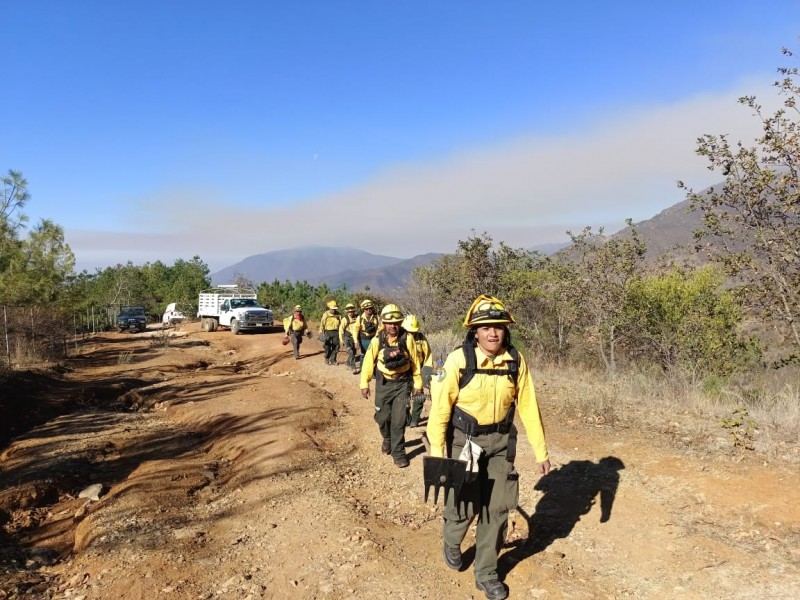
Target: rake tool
447, 473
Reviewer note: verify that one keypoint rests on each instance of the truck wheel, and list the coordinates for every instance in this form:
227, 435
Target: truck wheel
235, 327
208, 325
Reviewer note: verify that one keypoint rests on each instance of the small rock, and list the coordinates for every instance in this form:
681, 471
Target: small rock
92, 492
184, 533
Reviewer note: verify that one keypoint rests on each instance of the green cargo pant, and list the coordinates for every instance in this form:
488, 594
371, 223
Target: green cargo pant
493, 493
391, 411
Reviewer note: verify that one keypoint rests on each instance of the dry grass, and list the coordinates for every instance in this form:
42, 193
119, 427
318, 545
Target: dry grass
160, 338
125, 358
712, 416
443, 343
753, 413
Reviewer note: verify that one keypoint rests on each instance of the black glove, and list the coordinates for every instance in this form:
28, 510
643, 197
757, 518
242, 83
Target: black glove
308, 334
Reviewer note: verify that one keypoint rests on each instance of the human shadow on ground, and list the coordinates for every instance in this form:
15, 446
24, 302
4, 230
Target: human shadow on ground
570, 492
419, 450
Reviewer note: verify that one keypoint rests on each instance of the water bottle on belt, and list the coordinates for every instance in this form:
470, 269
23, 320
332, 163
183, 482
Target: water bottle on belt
439, 372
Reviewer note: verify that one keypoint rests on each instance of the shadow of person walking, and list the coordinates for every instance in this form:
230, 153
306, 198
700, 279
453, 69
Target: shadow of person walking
570, 492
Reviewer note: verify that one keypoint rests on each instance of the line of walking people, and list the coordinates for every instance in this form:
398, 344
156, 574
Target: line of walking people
475, 395
351, 331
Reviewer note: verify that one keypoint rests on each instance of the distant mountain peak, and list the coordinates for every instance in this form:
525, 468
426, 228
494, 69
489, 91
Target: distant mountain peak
304, 263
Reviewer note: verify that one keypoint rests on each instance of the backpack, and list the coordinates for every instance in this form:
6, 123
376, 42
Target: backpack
331, 315
468, 372
292, 320
370, 326
392, 359
344, 326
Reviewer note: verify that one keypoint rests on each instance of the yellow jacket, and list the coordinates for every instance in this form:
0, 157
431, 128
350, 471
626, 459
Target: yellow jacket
424, 354
373, 359
485, 397
350, 325
362, 320
296, 324
329, 321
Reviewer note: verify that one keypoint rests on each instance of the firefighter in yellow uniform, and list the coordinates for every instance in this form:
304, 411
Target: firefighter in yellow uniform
366, 327
473, 399
391, 357
295, 326
329, 328
347, 330
425, 358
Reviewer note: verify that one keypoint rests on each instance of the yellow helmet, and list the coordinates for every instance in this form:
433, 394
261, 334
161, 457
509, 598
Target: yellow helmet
487, 310
350, 306
367, 304
391, 313
332, 305
411, 323
297, 308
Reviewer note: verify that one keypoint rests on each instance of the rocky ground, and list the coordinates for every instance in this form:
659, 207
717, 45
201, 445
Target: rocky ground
223, 468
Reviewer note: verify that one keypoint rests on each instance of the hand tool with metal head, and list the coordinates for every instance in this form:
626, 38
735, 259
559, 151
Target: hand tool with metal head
447, 473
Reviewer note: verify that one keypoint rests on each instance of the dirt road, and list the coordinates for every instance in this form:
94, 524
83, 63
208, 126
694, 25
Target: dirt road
230, 470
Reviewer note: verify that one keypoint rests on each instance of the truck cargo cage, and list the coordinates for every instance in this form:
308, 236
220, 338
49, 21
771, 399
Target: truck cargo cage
232, 306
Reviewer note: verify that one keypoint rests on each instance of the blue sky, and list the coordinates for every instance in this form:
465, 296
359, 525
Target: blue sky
163, 130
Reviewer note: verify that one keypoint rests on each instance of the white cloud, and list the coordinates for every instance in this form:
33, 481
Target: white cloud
523, 191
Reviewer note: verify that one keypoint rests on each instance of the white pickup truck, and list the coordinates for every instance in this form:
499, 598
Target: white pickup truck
234, 307
172, 316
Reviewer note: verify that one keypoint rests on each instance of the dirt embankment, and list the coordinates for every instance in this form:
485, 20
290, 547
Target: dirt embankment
229, 470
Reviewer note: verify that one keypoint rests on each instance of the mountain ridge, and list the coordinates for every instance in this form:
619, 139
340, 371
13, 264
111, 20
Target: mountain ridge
668, 233
304, 263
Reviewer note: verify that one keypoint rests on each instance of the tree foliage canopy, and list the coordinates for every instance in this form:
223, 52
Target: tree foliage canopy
33, 268
751, 223
684, 318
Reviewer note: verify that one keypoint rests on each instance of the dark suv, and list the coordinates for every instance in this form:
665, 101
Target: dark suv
132, 318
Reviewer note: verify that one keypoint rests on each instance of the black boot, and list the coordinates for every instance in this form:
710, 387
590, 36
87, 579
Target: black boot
493, 589
452, 557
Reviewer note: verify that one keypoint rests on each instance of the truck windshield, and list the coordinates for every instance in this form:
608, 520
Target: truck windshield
244, 302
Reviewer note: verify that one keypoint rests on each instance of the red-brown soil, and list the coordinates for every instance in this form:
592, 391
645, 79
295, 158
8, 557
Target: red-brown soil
230, 470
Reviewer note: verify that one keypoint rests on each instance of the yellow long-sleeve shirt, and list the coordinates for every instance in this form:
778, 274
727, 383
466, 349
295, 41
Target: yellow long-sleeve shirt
373, 359
424, 354
293, 324
351, 325
486, 397
366, 322
329, 321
